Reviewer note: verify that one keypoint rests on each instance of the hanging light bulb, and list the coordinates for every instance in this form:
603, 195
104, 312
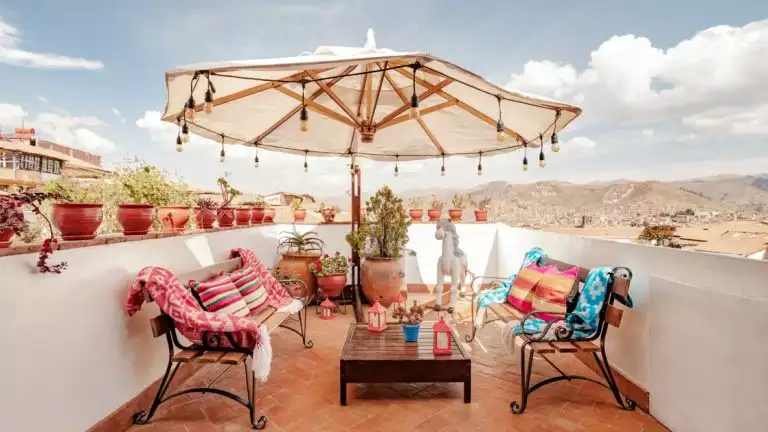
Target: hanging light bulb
179, 146
414, 111
499, 123
256, 159
304, 115
208, 105
525, 155
525, 163
184, 133
542, 162
442, 168
222, 155
397, 171
553, 139
189, 112
480, 165
306, 167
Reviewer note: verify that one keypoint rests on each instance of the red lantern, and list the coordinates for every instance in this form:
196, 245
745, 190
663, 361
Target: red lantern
377, 317
443, 338
326, 309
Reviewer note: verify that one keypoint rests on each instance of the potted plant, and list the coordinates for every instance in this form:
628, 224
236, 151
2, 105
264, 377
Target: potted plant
481, 209
415, 210
226, 214
136, 218
380, 239
205, 213
269, 213
75, 213
257, 209
12, 220
328, 212
299, 214
242, 215
458, 204
435, 209
410, 320
290, 281
331, 273
297, 252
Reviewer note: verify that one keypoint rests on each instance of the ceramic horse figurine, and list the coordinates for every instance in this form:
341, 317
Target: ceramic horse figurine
452, 262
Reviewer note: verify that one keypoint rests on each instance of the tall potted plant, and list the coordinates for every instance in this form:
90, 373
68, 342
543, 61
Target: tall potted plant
481, 209
146, 188
459, 203
299, 214
226, 214
331, 273
415, 210
435, 209
205, 213
380, 240
76, 214
257, 209
297, 252
12, 222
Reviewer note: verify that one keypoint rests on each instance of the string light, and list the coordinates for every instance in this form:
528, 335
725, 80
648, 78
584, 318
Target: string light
304, 116
542, 162
256, 159
208, 105
352, 164
525, 155
189, 113
554, 140
222, 155
184, 132
397, 171
414, 112
442, 168
306, 166
480, 165
179, 146
499, 123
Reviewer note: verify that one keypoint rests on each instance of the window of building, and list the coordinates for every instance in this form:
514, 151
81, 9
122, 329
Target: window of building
51, 166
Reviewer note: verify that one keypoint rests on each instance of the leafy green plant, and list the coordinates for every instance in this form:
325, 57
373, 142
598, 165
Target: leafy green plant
295, 242
206, 204
483, 204
228, 193
459, 201
384, 232
258, 203
436, 203
146, 184
296, 203
330, 264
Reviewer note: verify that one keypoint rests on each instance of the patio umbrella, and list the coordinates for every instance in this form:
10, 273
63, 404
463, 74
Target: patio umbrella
360, 102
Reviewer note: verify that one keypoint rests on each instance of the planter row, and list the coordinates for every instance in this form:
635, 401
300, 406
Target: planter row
454, 214
80, 221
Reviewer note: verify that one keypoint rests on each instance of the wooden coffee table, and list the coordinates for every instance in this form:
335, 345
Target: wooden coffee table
369, 357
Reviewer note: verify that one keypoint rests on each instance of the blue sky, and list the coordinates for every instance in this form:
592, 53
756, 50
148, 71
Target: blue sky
615, 59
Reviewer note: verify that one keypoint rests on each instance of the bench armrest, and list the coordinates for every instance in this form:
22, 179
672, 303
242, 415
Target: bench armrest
290, 282
561, 333
496, 282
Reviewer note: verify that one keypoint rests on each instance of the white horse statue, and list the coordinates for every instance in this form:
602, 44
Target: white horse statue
452, 262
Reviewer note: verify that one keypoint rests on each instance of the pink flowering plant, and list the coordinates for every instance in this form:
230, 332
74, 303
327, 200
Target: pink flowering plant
12, 217
328, 265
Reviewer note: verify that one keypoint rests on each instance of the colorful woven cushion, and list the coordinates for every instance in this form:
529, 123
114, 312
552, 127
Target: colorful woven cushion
220, 295
251, 288
521, 293
553, 291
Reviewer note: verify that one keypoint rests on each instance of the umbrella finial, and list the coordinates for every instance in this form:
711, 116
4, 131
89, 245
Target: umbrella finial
370, 42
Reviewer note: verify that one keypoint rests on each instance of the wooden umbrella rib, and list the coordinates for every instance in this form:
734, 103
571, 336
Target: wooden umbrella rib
423, 125
369, 93
314, 106
430, 90
365, 78
333, 96
404, 117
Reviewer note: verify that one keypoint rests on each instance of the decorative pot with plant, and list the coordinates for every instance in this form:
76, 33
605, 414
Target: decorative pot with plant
269, 214
298, 213
75, 214
140, 185
410, 320
173, 218
328, 212
331, 273
226, 214
415, 210
297, 252
242, 215
257, 209
458, 204
205, 213
12, 222
380, 239
290, 281
435, 209
481, 209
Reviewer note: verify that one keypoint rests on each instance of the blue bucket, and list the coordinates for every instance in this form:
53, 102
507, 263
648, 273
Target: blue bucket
411, 332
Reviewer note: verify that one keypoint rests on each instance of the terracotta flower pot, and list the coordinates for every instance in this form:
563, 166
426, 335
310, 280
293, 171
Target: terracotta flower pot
332, 284
455, 214
173, 218
381, 279
204, 218
481, 215
416, 214
269, 215
226, 217
5, 238
77, 221
298, 264
434, 214
257, 215
328, 215
243, 216
299, 215
136, 219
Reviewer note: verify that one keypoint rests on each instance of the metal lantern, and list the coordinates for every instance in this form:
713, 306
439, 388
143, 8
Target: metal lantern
443, 337
326, 309
377, 317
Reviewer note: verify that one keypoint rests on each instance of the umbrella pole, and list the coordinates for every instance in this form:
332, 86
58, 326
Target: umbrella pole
356, 203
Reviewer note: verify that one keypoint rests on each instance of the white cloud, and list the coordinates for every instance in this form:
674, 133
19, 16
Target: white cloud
731, 121
11, 53
118, 114
42, 99
648, 133
11, 116
628, 80
580, 143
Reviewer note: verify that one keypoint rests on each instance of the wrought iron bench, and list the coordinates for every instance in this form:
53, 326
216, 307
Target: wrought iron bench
565, 342
212, 351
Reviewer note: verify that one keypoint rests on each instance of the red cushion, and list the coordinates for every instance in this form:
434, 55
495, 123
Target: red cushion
522, 291
220, 295
552, 291
251, 288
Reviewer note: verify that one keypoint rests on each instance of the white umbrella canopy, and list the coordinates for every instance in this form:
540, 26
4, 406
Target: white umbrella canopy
358, 103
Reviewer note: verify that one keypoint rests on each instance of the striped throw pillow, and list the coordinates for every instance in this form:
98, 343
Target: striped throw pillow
522, 291
251, 289
220, 295
553, 290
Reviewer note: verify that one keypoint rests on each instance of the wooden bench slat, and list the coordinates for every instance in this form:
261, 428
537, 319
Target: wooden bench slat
586, 346
620, 286
232, 358
613, 315
161, 325
186, 355
539, 347
211, 356
564, 347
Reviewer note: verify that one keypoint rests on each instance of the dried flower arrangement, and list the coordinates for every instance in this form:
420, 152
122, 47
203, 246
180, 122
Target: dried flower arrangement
12, 217
436, 203
412, 316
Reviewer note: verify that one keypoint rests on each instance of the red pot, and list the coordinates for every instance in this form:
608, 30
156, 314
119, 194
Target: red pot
455, 214
481, 215
299, 215
243, 216
269, 215
333, 284
226, 217
328, 215
136, 219
5, 238
204, 218
434, 214
257, 215
173, 218
77, 221
416, 214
